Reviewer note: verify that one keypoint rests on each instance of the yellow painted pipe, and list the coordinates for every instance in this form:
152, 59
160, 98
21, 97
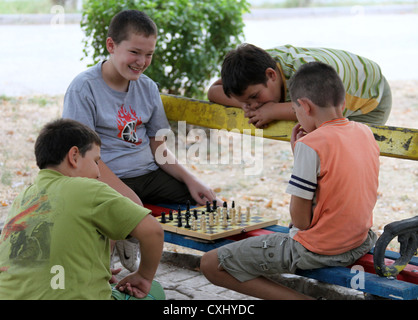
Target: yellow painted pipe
395, 142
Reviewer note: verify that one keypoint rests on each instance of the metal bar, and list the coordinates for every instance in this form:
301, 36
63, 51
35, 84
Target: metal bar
395, 142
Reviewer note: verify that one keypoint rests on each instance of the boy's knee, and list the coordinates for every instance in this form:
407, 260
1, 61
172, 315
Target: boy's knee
209, 262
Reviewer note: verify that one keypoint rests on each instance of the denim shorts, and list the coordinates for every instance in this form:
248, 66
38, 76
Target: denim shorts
277, 253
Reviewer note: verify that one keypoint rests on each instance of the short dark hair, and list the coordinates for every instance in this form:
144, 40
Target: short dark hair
244, 66
58, 137
130, 21
318, 82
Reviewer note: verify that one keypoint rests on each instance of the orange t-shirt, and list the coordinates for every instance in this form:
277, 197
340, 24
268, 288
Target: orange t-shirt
337, 166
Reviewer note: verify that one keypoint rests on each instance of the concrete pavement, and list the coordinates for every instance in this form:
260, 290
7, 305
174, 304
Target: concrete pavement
181, 279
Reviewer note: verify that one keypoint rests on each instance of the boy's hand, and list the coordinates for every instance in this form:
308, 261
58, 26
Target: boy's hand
135, 285
262, 115
200, 192
114, 273
297, 133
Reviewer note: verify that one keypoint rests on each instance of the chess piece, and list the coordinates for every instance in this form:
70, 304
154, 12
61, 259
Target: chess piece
170, 215
239, 215
211, 219
233, 217
203, 223
232, 213
163, 220
225, 208
248, 214
187, 220
224, 219
194, 224
214, 205
179, 222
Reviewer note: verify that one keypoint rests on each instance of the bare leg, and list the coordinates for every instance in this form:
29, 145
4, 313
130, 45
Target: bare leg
259, 287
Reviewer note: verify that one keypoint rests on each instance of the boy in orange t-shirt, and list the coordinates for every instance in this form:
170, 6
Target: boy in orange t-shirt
334, 190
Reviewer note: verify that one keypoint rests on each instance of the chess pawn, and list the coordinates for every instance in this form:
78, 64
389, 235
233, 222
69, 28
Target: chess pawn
218, 215
203, 223
163, 219
248, 216
224, 219
193, 223
239, 215
233, 219
232, 212
211, 219
225, 212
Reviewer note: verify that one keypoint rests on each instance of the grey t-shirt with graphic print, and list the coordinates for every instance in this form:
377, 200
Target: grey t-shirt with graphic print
124, 120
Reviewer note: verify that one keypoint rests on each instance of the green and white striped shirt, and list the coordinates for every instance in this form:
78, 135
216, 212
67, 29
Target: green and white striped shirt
362, 78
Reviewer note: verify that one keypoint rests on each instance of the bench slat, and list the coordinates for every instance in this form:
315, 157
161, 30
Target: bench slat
373, 284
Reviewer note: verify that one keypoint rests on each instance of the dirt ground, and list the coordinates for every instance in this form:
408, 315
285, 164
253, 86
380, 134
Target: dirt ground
265, 191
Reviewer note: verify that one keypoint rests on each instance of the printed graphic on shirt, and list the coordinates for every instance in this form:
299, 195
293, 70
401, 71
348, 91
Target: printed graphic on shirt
128, 121
29, 232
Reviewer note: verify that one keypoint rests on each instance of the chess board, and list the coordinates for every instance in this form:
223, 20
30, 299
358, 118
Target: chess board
216, 230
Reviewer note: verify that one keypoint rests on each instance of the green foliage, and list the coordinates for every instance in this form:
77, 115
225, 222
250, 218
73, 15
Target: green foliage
194, 36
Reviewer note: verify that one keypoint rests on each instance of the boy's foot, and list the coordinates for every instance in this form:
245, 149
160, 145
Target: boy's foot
128, 252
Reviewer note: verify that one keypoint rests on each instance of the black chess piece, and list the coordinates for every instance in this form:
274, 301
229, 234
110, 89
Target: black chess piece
170, 215
195, 213
214, 205
179, 218
163, 220
187, 220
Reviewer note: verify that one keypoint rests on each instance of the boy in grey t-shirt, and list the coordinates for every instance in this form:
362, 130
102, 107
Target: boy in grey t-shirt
124, 107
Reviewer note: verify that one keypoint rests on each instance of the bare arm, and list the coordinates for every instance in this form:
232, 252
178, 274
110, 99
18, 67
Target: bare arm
151, 239
300, 212
217, 95
107, 176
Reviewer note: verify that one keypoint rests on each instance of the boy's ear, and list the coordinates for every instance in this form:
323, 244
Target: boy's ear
110, 45
271, 74
306, 104
72, 156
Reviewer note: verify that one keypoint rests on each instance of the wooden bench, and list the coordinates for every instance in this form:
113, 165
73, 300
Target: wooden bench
393, 142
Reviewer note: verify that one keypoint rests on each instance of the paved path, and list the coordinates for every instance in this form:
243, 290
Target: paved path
181, 279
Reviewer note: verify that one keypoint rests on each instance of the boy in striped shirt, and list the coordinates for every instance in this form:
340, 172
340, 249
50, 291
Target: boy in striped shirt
257, 81
333, 191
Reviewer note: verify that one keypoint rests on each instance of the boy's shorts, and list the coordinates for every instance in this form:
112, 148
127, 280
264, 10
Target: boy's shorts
156, 293
159, 187
278, 253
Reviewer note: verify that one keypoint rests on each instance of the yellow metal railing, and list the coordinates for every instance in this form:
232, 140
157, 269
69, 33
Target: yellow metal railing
395, 142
